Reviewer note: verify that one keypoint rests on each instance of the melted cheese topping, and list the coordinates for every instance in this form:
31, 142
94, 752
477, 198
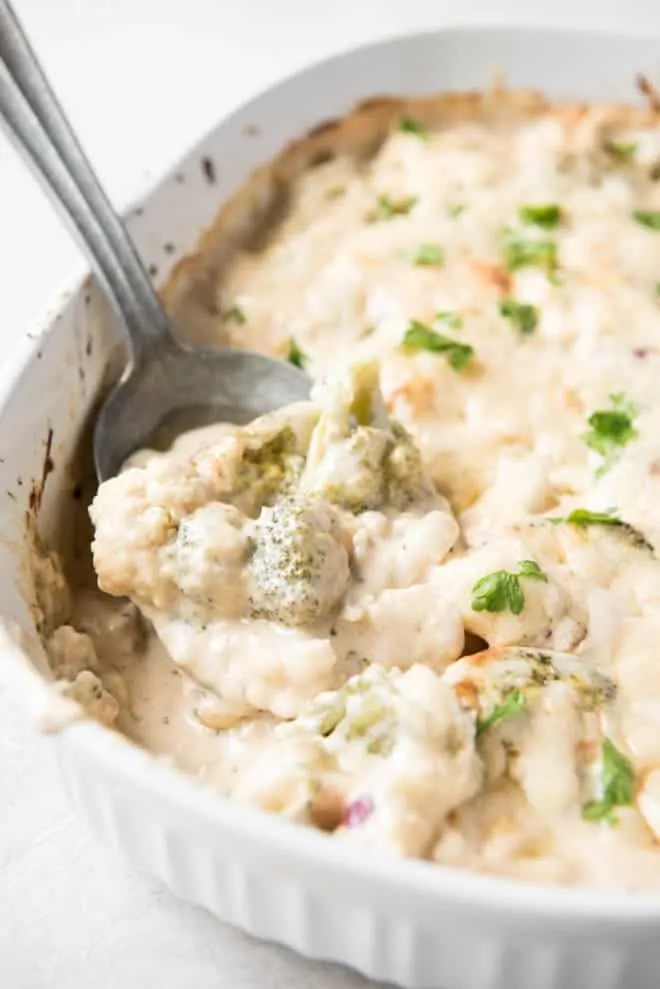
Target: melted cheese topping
521, 267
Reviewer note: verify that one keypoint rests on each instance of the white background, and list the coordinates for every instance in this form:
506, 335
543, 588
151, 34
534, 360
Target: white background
141, 80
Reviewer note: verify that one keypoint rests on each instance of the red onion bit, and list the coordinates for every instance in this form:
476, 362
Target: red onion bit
358, 811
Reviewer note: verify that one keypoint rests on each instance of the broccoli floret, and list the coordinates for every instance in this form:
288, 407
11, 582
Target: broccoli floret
358, 458
299, 567
269, 469
363, 709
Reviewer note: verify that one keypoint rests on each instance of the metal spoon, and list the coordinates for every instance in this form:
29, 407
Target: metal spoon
162, 378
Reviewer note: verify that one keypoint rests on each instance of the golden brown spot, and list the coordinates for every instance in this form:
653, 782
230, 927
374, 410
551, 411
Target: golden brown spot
493, 275
488, 655
467, 694
587, 750
326, 810
417, 393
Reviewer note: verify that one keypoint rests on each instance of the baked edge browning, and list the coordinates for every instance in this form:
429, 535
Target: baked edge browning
255, 208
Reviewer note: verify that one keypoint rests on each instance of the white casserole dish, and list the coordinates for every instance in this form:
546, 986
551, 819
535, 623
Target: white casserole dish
409, 923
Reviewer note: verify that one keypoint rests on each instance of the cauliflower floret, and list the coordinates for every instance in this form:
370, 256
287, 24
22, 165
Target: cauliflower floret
116, 628
537, 718
403, 755
398, 550
135, 515
507, 596
88, 691
258, 664
357, 458
402, 627
70, 652
289, 778
138, 514
206, 560
299, 568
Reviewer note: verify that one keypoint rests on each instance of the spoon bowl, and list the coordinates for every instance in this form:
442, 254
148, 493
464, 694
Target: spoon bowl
164, 381
180, 388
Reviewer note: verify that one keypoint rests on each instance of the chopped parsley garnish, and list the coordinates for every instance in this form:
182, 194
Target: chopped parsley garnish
621, 150
617, 786
657, 288
454, 210
610, 430
514, 703
234, 315
387, 208
648, 218
419, 336
584, 517
546, 215
411, 126
502, 590
450, 319
523, 316
428, 254
295, 355
522, 253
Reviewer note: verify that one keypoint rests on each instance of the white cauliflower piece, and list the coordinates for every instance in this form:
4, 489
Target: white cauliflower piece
398, 550
70, 652
508, 597
88, 691
259, 664
299, 570
537, 718
402, 627
137, 515
402, 752
206, 560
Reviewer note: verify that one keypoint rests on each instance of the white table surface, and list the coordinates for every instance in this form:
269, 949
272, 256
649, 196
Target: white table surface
141, 80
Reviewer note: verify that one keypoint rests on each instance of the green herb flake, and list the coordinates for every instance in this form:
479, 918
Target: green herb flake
514, 703
648, 218
531, 569
656, 288
610, 430
502, 590
546, 215
620, 150
387, 208
524, 317
295, 355
584, 517
450, 319
522, 253
454, 210
617, 786
419, 336
428, 255
234, 315
411, 126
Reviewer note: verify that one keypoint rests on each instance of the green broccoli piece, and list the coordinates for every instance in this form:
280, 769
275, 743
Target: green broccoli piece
358, 458
298, 571
364, 710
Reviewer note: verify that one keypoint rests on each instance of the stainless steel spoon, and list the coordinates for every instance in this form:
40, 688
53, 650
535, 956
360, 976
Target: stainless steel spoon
163, 379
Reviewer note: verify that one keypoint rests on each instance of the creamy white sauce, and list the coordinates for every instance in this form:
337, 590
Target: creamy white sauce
404, 762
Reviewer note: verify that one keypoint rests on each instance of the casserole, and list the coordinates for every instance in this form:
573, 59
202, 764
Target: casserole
404, 923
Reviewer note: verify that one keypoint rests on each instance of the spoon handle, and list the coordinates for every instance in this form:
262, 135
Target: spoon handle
38, 125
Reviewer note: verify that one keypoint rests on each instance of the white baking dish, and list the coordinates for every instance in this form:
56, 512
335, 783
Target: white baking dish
409, 923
